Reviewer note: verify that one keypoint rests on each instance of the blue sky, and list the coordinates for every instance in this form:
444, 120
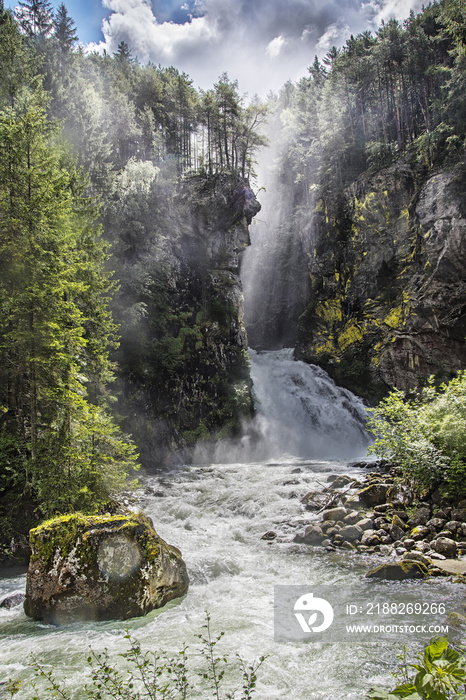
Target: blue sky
262, 43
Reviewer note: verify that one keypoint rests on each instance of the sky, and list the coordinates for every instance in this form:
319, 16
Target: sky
260, 43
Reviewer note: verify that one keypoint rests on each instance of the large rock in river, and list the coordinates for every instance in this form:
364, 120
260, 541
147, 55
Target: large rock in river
100, 568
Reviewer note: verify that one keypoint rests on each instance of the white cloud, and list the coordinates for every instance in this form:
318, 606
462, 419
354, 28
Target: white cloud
235, 35
274, 48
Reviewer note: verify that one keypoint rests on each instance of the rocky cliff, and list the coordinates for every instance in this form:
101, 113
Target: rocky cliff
184, 371
388, 281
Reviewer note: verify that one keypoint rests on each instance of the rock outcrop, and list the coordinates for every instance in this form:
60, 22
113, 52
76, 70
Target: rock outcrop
184, 371
388, 273
100, 568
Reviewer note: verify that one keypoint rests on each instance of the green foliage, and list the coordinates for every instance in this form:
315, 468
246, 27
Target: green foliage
440, 675
425, 435
150, 675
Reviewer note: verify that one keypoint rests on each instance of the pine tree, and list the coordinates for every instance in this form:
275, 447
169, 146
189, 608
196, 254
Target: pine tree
65, 29
35, 18
55, 327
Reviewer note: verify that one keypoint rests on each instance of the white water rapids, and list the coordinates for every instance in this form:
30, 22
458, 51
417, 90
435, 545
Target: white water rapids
216, 514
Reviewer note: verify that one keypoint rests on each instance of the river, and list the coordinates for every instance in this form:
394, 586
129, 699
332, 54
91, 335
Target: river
216, 514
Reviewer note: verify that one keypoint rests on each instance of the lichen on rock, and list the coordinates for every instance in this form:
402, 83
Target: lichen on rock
100, 568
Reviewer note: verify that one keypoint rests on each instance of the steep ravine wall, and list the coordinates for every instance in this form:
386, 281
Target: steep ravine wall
193, 380
388, 282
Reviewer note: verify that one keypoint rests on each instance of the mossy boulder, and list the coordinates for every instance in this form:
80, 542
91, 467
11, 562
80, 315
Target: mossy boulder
100, 568
399, 571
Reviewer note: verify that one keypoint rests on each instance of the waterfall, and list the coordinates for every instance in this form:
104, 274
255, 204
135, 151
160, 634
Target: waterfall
300, 413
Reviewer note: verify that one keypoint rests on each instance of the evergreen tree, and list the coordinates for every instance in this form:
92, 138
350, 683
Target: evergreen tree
35, 18
55, 328
65, 29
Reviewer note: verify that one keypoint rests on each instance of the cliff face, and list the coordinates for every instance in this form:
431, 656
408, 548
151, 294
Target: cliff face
192, 380
388, 274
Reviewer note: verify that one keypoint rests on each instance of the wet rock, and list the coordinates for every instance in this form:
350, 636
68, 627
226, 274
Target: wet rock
341, 481
374, 495
12, 601
312, 535
270, 535
351, 533
100, 568
399, 571
452, 566
445, 546
335, 513
348, 545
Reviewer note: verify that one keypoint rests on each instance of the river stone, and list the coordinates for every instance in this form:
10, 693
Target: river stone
370, 538
374, 495
12, 601
100, 568
340, 482
365, 524
453, 525
399, 571
335, 513
445, 546
312, 534
351, 533
352, 518
396, 532
416, 556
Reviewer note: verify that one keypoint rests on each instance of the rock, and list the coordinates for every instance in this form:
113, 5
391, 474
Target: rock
351, 533
453, 525
354, 502
409, 543
335, 513
435, 524
348, 545
100, 568
386, 539
419, 517
312, 534
298, 470
327, 524
456, 619
420, 546
436, 556
416, 556
452, 566
380, 522
399, 523
400, 551
370, 538
458, 514
382, 508
365, 524
445, 546
396, 533
402, 514
12, 601
270, 535
352, 518
399, 571
340, 482
419, 533
374, 495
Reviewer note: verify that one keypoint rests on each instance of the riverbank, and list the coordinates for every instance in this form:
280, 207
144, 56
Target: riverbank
375, 515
